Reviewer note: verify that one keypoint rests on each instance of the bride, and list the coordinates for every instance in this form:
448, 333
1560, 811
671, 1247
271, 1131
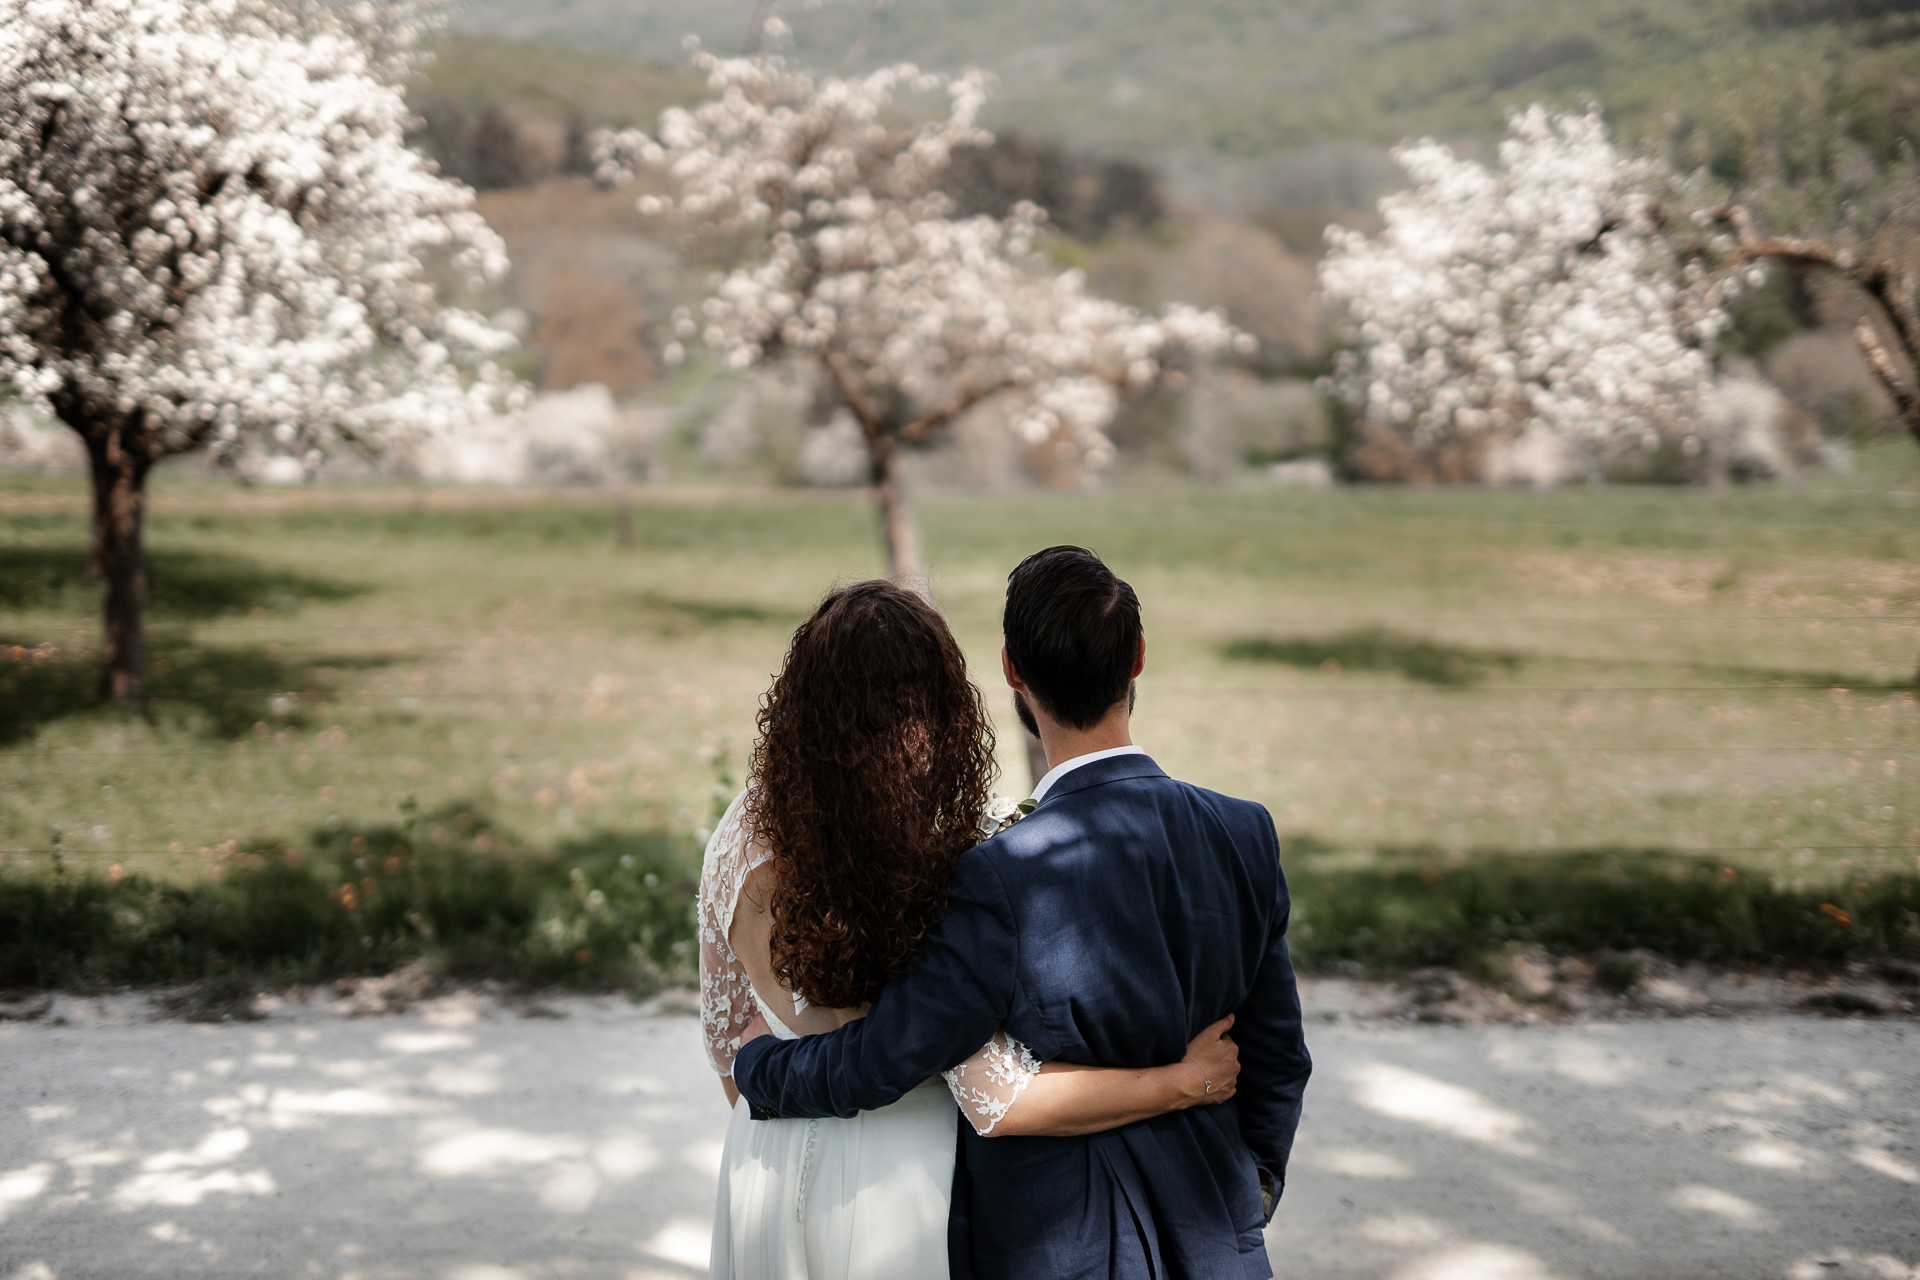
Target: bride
867, 785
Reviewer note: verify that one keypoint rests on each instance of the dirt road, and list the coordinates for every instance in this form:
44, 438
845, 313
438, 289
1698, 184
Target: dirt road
469, 1140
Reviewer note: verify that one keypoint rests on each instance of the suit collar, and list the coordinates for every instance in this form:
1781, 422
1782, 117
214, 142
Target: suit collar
1101, 772
1053, 776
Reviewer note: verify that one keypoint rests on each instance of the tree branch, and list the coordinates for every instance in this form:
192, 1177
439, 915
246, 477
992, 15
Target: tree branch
1890, 289
923, 425
863, 44
1894, 292
854, 394
1593, 245
1811, 253
1751, 246
189, 441
873, 422
1877, 360
757, 26
76, 295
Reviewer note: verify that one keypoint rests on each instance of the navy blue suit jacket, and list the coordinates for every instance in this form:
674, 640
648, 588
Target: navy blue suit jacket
1108, 927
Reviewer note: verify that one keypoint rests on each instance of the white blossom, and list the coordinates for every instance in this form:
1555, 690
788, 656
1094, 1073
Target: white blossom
211, 228
861, 264
1538, 308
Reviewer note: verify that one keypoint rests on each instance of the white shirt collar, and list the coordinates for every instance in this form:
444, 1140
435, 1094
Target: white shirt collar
1065, 767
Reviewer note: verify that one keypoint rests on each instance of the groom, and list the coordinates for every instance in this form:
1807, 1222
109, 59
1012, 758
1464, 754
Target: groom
1127, 912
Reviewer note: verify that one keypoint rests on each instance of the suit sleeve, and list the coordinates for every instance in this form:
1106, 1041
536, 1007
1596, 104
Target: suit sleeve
952, 1000
1274, 1064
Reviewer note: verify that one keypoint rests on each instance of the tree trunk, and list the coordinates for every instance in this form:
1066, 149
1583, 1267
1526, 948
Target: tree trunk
897, 523
757, 27
864, 43
118, 559
623, 518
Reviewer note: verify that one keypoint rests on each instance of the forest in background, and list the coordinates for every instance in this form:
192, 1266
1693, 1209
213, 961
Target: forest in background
1308, 94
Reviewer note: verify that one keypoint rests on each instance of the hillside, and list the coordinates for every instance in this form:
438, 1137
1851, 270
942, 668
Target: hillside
1261, 121
1189, 81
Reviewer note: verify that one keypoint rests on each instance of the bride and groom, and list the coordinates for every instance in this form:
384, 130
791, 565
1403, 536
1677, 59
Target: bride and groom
880, 940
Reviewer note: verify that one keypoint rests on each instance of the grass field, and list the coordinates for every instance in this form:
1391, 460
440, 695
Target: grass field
1421, 680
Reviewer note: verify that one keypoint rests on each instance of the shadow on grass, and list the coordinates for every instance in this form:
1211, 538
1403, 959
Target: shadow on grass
1455, 666
180, 584
678, 616
450, 891
1411, 912
1803, 679
219, 692
1378, 649
445, 889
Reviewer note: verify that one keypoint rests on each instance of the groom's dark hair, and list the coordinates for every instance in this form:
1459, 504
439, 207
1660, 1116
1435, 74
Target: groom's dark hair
1072, 630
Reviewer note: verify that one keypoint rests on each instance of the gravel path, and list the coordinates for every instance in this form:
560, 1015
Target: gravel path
465, 1139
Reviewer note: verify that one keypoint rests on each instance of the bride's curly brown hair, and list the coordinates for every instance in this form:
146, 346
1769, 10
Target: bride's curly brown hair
867, 784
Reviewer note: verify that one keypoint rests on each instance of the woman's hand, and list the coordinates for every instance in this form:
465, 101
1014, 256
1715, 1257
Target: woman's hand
1066, 1100
1211, 1070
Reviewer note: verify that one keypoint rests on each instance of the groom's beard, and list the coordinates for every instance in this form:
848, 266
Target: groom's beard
1025, 713
1033, 726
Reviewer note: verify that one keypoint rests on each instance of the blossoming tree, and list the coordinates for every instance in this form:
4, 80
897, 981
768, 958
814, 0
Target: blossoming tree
1533, 321
211, 233
857, 262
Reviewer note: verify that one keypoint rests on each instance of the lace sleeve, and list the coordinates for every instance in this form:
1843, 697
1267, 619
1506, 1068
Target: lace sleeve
987, 1084
726, 993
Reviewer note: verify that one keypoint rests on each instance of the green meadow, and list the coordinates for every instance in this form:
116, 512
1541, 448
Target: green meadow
469, 726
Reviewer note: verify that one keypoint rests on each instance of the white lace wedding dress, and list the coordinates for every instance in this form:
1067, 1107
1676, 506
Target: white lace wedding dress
857, 1199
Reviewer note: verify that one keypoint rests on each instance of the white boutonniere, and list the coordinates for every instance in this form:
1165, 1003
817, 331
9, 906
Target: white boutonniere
1002, 813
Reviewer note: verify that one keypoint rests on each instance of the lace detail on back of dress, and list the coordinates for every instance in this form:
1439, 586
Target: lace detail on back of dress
726, 993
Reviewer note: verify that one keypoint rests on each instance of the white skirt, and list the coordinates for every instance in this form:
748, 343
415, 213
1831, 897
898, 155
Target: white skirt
859, 1199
